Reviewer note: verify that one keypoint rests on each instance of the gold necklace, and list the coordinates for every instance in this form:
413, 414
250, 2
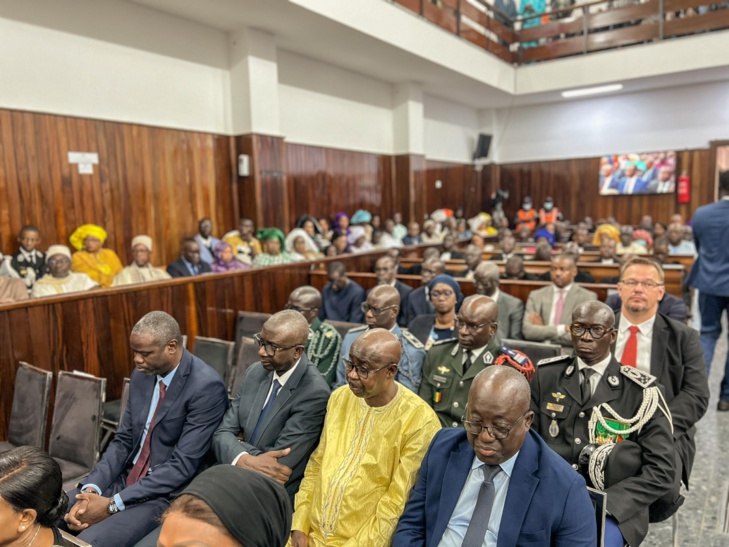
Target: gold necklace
35, 536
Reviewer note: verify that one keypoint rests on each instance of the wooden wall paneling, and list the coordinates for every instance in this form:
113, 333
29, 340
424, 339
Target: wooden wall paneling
248, 194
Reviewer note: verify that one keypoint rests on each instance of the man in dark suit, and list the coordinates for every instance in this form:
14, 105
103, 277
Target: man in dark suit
511, 309
27, 263
671, 352
189, 264
496, 481
473, 259
274, 423
175, 404
508, 244
418, 302
710, 275
386, 270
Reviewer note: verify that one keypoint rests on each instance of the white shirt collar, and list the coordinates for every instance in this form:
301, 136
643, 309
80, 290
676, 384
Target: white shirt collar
495, 296
282, 379
599, 367
566, 288
507, 466
646, 327
476, 353
28, 255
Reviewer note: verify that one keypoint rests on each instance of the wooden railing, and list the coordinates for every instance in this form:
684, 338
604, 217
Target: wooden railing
575, 30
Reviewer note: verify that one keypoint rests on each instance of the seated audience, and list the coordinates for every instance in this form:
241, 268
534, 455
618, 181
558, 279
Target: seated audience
548, 312
341, 297
413, 237
274, 422
496, 482
582, 238
416, 269
246, 246
481, 225
388, 238
205, 239
375, 435
339, 245
386, 270
430, 233
479, 241
208, 511
418, 302
450, 251
341, 223
678, 245
32, 499
357, 240
473, 259
141, 269
272, 240
549, 214
91, 258
546, 234
580, 276
508, 245
314, 230
644, 238
669, 351
27, 263
362, 218
381, 311
326, 229
514, 269
627, 244
543, 252
12, 290
175, 404
225, 260
607, 252
605, 230
189, 263
511, 309
399, 230
324, 341
300, 246
451, 365
60, 279
670, 306
592, 411
659, 230
445, 297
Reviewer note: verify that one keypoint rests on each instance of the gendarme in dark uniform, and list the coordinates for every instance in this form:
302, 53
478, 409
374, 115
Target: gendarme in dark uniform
568, 424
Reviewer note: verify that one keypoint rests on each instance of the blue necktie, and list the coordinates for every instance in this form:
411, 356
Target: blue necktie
266, 408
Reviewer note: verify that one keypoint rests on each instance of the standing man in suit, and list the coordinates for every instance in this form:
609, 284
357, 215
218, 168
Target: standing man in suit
548, 312
511, 309
386, 270
274, 423
608, 421
496, 482
175, 404
710, 275
189, 264
671, 352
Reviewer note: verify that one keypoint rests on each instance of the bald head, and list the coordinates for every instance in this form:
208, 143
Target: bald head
373, 360
597, 311
431, 268
383, 303
386, 295
305, 300
378, 347
430, 252
477, 321
486, 277
505, 384
290, 324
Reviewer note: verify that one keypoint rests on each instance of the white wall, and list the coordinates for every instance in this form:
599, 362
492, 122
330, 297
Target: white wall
451, 130
674, 118
113, 60
323, 105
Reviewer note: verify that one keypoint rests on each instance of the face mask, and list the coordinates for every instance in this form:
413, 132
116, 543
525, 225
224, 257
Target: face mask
548, 206
527, 206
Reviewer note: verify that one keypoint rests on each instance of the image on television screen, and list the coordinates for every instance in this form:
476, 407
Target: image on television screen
647, 173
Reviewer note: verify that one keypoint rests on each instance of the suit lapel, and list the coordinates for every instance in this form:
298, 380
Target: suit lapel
454, 478
176, 386
546, 303
522, 485
659, 340
139, 419
257, 405
569, 305
571, 382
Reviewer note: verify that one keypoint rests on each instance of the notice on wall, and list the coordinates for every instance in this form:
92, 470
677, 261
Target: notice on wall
85, 161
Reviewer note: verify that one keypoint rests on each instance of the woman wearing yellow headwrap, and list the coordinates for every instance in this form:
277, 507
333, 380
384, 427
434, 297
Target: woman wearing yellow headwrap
90, 258
606, 230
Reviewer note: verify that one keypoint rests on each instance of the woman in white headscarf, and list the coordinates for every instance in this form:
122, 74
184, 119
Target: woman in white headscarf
357, 240
300, 246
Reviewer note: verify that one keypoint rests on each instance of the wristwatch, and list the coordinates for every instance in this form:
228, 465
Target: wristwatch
112, 509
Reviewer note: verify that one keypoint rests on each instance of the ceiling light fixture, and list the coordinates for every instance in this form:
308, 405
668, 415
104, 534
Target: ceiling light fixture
591, 91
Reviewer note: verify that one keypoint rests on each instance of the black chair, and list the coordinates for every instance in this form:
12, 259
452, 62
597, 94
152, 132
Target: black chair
535, 351
216, 353
247, 355
29, 414
343, 326
247, 324
74, 441
72, 541
113, 412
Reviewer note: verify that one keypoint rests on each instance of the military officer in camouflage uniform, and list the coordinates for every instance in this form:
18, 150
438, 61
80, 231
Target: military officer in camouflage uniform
380, 311
324, 342
451, 365
588, 403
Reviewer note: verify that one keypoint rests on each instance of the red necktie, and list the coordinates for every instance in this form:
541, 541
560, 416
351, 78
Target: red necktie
559, 307
630, 353
142, 466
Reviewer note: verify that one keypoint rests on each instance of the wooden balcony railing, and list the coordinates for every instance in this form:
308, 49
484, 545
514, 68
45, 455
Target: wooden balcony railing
574, 30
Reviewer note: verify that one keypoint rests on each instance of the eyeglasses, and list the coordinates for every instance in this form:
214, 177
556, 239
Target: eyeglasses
438, 294
595, 331
375, 311
53, 261
499, 432
470, 327
362, 372
632, 284
269, 348
297, 308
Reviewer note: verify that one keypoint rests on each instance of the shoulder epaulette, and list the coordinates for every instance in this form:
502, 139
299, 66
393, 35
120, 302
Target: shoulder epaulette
357, 329
411, 338
446, 341
643, 379
550, 360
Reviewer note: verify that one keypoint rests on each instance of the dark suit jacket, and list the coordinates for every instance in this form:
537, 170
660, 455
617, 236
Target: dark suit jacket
21, 266
191, 411
670, 306
421, 326
178, 268
710, 272
677, 361
416, 305
547, 502
295, 421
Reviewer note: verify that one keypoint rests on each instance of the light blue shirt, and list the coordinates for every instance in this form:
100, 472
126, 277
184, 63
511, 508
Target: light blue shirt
461, 517
167, 380
190, 266
683, 248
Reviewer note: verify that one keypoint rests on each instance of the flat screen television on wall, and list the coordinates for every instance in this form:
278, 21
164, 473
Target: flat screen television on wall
644, 173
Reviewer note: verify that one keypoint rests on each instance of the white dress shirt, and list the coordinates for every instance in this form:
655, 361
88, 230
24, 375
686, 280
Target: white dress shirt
645, 342
458, 524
